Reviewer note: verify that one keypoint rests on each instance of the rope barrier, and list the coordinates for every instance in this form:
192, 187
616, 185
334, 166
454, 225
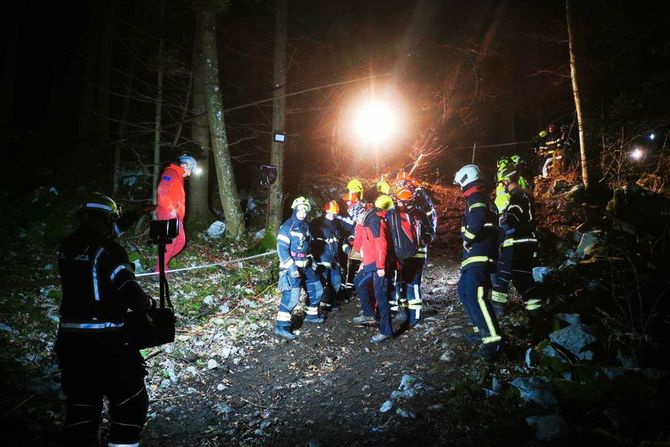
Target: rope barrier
56, 281
216, 264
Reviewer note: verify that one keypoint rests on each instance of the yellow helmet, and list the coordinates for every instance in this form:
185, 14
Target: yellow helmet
383, 187
355, 185
384, 202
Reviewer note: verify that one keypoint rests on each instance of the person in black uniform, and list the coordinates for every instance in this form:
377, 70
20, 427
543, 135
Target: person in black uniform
96, 356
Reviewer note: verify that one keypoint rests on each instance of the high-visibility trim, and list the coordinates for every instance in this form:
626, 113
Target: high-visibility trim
462, 229
118, 269
533, 304
312, 311
477, 205
326, 264
491, 339
98, 325
499, 297
300, 263
415, 304
488, 225
283, 316
475, 329
474, 259
289, 262
468, 234
99, 206
510, 241
135, 444
281, 237
96, 286
417, 292
487, 317
297, 234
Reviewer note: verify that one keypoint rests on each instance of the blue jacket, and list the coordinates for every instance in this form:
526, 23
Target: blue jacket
293, 243
326, 244
478, 229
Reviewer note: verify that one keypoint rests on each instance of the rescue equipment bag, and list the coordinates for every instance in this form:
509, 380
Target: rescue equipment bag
403, 234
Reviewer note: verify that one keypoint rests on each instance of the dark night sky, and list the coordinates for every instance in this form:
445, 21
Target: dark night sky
623, 45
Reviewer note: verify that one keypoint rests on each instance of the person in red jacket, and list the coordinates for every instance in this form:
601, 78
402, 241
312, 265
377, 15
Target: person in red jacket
371, 241
171, 201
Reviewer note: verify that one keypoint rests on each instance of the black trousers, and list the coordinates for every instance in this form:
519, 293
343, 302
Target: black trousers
89, 376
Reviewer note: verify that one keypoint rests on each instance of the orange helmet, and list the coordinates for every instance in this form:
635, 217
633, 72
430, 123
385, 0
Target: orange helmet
332, 207
350, 197
404, 194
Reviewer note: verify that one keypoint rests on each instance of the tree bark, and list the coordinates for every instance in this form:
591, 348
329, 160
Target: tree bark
198, 185
585, 162
122, 136
224, 168
159, 110
102, 105
276, 192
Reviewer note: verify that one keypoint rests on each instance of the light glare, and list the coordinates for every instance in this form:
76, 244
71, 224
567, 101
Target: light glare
637, 154
375, 122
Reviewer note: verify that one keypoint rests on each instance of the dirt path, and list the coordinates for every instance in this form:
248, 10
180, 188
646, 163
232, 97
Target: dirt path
327, 387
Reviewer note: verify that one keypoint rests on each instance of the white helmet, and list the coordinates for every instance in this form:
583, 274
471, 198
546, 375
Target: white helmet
301, 201
466, 175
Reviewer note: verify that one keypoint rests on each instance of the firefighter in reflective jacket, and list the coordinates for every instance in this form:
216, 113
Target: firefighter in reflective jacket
95, 354
480, 236
518, 248
410, 299
371, 241
295, 269
326, 251
505, 165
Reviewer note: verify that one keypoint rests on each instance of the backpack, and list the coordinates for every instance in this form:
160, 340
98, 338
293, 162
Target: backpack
403, 235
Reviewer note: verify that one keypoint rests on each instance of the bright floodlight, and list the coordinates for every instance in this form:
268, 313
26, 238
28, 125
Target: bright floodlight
375, 122
637, 154
198, 171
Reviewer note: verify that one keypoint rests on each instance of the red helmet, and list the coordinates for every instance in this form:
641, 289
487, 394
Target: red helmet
332, 207
351, 197
551, 128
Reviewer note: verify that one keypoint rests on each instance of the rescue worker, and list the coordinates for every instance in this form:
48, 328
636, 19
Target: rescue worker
371, 240
518, 248
347, 224
479, 234
95, 353
171, 201
504, 164
355, 187
551, 150
295, 269
410, 300
326, 250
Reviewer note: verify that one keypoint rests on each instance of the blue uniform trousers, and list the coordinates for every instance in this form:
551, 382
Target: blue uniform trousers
473, 285
290, 288
515, 264
361, 281
331, 278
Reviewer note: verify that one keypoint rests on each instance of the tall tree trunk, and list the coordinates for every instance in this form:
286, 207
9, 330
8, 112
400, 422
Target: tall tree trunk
585, 162
224, 168
159, 110
276, 192
102, 106
122, 136
84, 128
198, 185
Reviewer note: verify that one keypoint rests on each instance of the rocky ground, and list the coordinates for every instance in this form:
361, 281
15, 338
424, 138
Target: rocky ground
227, 380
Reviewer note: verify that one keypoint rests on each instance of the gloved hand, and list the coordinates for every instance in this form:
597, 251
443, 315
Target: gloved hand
467, 246
381, 273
